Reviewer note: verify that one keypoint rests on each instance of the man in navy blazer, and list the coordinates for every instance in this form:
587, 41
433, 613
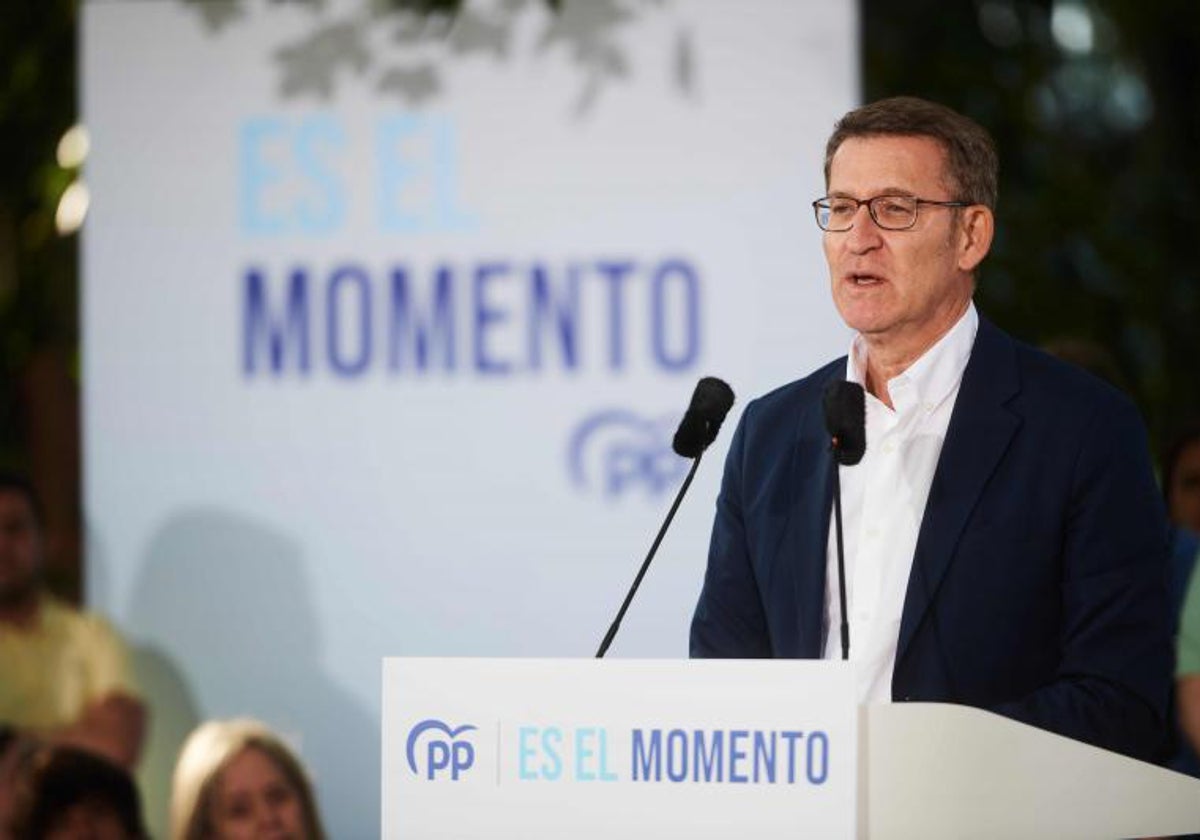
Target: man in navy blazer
1031, 578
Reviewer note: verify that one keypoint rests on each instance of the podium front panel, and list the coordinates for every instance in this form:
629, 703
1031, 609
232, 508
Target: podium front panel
528, 748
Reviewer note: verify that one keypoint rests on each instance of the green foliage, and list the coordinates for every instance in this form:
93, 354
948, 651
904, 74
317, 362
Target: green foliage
38, 289
1099, 191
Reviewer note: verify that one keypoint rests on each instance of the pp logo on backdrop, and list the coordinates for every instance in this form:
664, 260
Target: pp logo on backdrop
445, 752
619, 451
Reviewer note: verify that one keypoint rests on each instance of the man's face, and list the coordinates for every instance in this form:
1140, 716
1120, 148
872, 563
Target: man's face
20, 548
901, 287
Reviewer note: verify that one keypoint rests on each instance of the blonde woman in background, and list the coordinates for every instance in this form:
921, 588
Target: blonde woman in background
235, 780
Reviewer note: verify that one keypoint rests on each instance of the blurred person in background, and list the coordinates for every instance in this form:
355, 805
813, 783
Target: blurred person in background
10, 767
67, 793
1181, 488
67, 678
236, 780
1181, 479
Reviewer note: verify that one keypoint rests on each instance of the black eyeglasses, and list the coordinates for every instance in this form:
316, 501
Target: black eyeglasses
890, 212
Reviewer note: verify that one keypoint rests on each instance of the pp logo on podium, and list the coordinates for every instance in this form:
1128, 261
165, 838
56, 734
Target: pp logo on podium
445, 750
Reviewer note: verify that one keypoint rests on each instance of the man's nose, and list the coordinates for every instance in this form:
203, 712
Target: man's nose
864, 235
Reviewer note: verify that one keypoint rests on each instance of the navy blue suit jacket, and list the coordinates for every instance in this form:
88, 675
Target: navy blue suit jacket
1037, 586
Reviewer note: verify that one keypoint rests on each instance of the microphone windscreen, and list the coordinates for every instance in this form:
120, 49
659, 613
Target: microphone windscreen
711, 401
846, 420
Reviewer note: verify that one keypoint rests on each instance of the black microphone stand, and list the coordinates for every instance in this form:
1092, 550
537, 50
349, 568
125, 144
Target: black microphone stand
841, 560
637, 581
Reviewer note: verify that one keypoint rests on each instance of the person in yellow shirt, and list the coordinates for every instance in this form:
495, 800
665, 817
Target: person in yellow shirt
66, 673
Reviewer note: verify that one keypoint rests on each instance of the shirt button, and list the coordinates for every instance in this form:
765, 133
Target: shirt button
889, 447
872, 532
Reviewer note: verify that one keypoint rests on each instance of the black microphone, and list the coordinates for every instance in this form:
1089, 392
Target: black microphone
711, 401
846, 421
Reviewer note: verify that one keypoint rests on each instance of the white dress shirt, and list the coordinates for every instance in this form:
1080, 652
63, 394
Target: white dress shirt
883, 500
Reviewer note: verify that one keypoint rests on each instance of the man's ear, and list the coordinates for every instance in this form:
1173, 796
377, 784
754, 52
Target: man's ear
975, 236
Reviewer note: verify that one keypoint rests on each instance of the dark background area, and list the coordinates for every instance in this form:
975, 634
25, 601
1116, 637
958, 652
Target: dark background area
1099, 178
1094, 104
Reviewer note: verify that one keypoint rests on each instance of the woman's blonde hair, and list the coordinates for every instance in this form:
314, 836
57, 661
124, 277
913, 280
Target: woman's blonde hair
207, 752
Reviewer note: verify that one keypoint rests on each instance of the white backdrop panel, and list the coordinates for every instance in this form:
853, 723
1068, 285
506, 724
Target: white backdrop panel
387, 327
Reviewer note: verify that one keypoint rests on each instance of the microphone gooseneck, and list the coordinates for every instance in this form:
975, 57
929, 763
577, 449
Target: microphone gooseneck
845, 406
711, 401
841, 560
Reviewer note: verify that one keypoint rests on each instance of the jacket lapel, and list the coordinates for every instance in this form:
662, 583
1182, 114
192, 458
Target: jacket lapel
803, 547
980, 431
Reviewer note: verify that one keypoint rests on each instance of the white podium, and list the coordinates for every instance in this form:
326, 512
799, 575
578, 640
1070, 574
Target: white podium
527, 748
934, 771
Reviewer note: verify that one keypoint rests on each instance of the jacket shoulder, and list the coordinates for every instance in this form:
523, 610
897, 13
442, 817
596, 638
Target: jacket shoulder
787, 399
1062, 386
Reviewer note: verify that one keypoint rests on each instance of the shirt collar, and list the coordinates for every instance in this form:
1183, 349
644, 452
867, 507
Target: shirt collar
931, 378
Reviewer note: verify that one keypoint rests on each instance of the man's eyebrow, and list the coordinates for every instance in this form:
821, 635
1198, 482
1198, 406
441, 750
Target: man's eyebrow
885, 191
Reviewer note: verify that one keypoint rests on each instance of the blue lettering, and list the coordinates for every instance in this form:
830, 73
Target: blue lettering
677, 755
256, 174
606, 775
486, 317
720, 756
439, 758
448, 214
791, 738
583, 752
818, 743
764, 755
418, 192
689, 288
526, 753
737, 755
423, 330
647, 757
268, 150
548, 314
395, 174
283, 337
616, 273
462, 757
355, 362
551, 741
708, 761
315, 137
516, 319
